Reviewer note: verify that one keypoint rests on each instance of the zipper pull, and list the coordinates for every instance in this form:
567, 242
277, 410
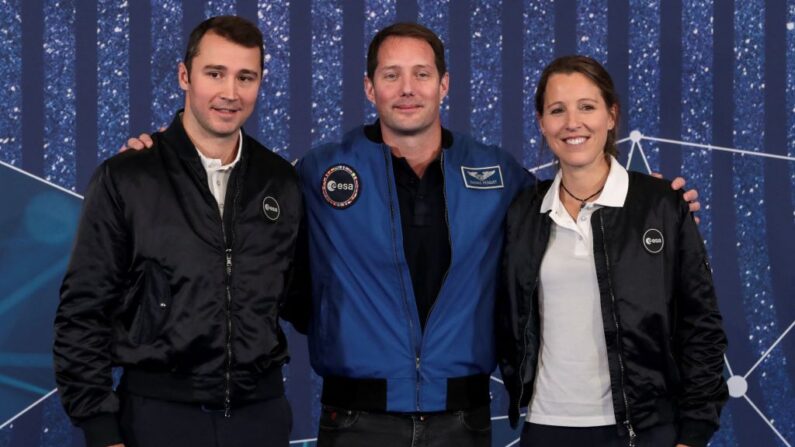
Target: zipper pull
228, 261
632, 435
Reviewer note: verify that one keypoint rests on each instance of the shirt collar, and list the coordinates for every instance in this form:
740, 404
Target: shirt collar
614, 193
215, 163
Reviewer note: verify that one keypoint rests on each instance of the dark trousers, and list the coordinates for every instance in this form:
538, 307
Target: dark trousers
149, 422
348, 428
536, 435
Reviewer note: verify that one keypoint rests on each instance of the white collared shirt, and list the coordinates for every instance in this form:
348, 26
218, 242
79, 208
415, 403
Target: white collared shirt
218, 174
572, 387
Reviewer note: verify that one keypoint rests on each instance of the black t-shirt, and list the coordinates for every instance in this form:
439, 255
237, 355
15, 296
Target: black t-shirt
426, 239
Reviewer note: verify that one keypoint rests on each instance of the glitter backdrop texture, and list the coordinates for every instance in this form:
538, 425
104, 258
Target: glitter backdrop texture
708, 86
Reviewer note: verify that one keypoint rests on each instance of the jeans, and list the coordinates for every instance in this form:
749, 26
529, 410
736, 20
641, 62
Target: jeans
147, 422
537, 435
350, 428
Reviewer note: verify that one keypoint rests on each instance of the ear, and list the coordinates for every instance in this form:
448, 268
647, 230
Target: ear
540, 124
182, 75
444, 85
369, 89
611, 122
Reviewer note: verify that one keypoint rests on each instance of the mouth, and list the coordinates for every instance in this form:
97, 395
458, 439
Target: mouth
225, 111
575, 141
407, 108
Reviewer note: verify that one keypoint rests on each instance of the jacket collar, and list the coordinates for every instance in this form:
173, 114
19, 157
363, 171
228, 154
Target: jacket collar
178, 139
613, 195
373, 133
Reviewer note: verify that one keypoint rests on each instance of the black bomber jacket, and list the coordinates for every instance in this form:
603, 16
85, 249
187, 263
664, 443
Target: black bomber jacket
663, 331
159, 284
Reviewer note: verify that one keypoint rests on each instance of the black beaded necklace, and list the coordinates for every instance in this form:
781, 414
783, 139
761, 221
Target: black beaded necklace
582, 201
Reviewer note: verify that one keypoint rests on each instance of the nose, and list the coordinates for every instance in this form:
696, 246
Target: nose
406, 86
229, 90
573, 121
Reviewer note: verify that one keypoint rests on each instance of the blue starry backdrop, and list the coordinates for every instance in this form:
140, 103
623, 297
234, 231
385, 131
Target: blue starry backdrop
707, 89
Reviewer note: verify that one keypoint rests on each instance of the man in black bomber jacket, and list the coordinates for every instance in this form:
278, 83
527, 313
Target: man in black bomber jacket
179, 268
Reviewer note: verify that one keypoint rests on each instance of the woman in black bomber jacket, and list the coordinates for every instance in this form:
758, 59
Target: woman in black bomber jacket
608, 325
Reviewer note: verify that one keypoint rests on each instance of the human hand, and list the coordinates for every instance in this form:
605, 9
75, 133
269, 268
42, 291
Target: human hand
116, 445
690, 196
144, 141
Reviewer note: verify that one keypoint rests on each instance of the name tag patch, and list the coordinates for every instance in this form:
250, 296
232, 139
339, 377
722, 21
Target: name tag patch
486, 177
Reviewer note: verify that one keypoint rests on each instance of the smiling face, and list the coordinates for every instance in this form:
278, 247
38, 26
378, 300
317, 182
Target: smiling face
406, 88
221, 89
575, 120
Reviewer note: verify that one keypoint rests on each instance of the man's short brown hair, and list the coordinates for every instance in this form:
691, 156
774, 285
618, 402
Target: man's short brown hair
233, 28
403, 29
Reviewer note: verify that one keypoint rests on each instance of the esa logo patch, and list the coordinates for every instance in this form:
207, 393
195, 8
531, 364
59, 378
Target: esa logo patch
340, 186
653, 241
487, 177
270, 208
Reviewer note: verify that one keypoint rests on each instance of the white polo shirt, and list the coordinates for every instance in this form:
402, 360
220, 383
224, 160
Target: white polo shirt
218, 174
572, 386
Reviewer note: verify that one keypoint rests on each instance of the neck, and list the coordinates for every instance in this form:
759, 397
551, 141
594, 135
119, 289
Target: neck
220, 147
419, 150
584, 181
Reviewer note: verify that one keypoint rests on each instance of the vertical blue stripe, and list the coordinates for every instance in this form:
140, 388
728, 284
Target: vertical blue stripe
790, 93
618, 60
10, 82
300, 77
539, 49
326, 71
274, 95
670, 160
353, 40
220, 8
377, 15
644, 74
486, 76
696, 115
749, 184
435, 16
59, 93
86, 92
460, 42
140, 62
697, 35
565, 27
592, 29
32, 12
167, 49
113, 89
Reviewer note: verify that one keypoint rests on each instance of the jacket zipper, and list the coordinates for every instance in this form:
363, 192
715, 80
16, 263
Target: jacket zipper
228, 373
228, 254
524, 355
627, 423
444, 277
416, 345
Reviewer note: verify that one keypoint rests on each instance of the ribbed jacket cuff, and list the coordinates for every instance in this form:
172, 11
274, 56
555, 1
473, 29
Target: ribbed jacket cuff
101, 430
695, 433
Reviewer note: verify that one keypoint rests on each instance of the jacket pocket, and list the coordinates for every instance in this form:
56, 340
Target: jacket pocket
152, 293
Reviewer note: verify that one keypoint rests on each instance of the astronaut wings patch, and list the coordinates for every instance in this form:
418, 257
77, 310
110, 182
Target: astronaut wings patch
486, 177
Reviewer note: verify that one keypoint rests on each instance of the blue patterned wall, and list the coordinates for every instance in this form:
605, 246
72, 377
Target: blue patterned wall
708, 91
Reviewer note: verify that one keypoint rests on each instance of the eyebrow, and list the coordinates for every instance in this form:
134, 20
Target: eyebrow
224, 68
392, 67
580, 99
